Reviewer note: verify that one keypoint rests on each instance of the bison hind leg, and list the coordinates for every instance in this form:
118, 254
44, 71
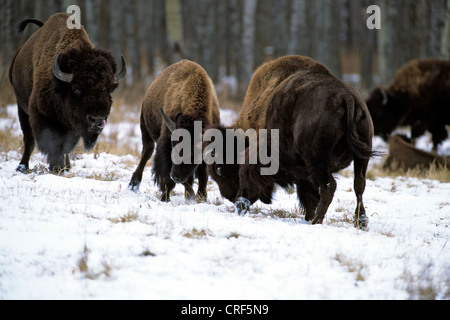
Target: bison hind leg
360, 168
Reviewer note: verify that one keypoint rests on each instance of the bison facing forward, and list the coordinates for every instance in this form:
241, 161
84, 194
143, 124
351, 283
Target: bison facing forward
323, 125
62, 86
419, 96
182, 94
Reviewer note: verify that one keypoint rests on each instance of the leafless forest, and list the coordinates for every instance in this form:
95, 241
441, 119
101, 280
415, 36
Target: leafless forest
230, 38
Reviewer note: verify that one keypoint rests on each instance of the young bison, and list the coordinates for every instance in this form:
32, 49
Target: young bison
181, 94
404, 155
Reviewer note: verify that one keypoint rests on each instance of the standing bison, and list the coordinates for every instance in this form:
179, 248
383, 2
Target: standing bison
419, 96
323, 126
62, 86
181, 95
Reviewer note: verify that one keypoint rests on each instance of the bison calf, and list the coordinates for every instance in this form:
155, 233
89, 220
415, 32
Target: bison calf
419, 96
323, 126
405, 156
62, 86
181, 94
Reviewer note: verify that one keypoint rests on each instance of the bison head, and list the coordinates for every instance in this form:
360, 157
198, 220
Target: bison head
84, 79
385, 112
181, 172
224, 173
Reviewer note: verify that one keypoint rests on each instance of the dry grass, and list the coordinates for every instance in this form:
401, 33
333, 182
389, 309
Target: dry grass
435, 172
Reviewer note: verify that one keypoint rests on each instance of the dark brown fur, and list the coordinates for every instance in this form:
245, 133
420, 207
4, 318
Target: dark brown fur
52, 112
323, 125
419, 96
186, 94
405, 156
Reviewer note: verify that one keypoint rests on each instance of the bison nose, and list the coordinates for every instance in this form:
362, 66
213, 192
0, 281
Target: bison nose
98, 122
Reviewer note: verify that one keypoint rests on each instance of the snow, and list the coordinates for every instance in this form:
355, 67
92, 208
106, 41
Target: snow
84, 235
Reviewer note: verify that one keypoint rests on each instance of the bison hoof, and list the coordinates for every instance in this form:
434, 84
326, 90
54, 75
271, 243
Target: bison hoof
242, 205
361, 222
317, 220
189, 197
22, 168
134, 187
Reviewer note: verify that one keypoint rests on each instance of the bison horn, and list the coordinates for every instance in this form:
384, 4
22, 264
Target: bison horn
66, 77
169, 123
385, 97
121, 74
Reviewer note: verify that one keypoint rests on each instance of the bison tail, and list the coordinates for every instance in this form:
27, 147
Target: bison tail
23, 24
359, 148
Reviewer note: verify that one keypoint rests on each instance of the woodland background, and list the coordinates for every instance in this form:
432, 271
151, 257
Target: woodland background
231, 38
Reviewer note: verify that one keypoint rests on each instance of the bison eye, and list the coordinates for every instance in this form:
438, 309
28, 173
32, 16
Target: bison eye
77, 92
219, 171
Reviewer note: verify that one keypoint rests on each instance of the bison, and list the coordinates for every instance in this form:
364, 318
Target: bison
63, 88
181, 95
404, 155
419, 96
323, 125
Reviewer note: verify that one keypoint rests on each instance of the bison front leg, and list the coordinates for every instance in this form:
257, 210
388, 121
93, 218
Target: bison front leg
202, 177
51, 144
308, 196
326, 192
28, 141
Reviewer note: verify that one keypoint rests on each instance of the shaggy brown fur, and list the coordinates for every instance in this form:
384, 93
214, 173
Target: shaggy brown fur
419, 96
404, 155
186, 94
323, 125
57, 113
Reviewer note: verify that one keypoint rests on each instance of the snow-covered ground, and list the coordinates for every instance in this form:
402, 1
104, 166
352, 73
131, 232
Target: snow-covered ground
84, 235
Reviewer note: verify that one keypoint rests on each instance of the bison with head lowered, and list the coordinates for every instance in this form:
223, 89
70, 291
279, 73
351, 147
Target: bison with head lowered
63, 88
323, 125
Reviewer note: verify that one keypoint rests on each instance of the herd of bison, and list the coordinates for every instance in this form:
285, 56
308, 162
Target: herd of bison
63, 87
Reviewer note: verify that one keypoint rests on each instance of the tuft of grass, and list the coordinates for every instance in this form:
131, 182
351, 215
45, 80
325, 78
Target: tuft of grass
130, 216
103, 176
83, 267
424, 286
435, 172
233, 235
197, 234
352, 266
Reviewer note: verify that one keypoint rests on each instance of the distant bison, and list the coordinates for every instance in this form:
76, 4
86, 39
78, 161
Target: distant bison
402, 154
181, 94
323, 126
419, 96
62, 86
